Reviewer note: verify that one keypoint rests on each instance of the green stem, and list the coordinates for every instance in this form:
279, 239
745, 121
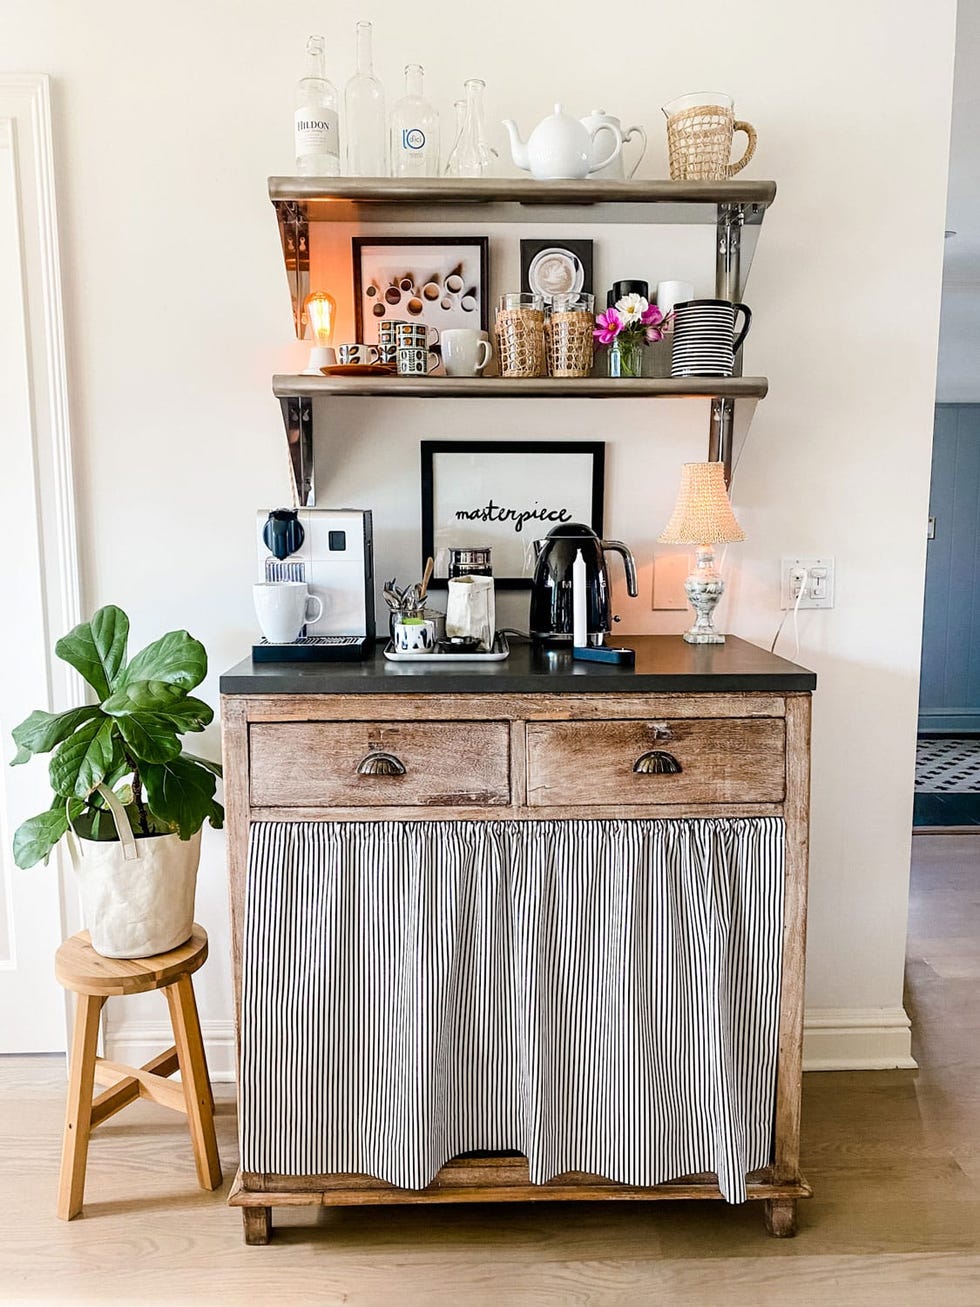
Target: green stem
138, 792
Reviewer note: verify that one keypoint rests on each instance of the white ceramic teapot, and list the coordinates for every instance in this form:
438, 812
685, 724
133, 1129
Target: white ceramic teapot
614, 170
561, 147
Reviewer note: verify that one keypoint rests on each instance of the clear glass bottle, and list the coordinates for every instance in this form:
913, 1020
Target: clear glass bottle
471, 156
315, 123
365, 121
414, 131
459, 111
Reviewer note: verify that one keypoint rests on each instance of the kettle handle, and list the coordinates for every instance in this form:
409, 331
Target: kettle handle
628, 562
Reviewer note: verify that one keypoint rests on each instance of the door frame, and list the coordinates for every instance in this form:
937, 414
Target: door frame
25, 106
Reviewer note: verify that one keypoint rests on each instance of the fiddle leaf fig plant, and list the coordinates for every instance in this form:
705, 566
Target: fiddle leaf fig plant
129, 742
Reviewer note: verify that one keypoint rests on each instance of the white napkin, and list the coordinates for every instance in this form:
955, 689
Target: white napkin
470, 610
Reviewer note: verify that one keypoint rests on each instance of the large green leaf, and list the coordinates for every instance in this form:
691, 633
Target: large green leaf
176, 657
40, 732
203, 762
35, 838
143, 696
149, 738
83, 760
189, 714
97, 648
180, 793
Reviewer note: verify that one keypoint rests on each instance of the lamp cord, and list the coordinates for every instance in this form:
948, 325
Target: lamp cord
795, 610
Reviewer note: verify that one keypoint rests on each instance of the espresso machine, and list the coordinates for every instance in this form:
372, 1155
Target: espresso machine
332, 550
551, 589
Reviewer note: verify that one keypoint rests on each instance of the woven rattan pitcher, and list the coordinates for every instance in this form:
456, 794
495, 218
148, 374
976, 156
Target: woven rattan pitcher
700, 128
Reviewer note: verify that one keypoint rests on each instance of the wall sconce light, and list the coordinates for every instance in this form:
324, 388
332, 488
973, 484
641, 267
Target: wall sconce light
320, 310
703, 516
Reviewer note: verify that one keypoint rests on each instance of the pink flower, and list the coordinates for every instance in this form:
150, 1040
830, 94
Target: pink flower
656, 324
608, 325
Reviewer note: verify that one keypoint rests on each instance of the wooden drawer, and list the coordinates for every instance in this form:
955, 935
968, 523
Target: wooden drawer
722, 760
315, 764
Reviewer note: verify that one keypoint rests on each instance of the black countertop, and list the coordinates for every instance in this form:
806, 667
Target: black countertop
664, 664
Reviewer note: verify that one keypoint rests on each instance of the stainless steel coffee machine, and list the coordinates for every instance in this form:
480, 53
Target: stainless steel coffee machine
332, 550
551, 589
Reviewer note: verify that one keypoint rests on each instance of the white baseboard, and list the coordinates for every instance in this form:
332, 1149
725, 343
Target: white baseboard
857, 1039
136, 1042
835, 1039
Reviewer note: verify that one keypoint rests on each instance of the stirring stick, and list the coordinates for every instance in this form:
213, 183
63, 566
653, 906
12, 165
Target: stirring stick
426, 578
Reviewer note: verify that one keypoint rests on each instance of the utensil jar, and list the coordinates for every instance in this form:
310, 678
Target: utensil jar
519, 331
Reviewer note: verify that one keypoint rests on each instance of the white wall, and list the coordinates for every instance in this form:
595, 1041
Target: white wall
168, 122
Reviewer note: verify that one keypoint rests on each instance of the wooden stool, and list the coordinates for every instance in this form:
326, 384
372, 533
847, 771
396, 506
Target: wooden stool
94, 978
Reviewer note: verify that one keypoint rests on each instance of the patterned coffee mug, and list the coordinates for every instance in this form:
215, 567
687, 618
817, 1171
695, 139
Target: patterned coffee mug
416, 333
415, 361
356, 353
704, 341
388, 339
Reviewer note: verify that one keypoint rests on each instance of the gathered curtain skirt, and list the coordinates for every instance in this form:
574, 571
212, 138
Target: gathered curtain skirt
600, 996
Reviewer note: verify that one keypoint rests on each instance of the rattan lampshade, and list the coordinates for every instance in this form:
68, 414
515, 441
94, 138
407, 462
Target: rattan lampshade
702, 514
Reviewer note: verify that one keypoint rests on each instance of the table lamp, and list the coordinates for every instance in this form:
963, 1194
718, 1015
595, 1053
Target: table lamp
703, 516
320, 308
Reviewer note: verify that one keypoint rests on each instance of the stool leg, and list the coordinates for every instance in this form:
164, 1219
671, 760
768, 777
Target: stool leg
194, 1078
78, 1111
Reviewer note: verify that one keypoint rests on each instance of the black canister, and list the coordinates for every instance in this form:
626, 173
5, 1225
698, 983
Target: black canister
620, 289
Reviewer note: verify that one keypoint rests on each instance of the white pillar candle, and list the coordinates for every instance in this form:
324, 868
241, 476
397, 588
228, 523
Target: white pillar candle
579, 623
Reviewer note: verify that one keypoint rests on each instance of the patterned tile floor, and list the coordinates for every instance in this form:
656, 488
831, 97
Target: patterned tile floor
947, 782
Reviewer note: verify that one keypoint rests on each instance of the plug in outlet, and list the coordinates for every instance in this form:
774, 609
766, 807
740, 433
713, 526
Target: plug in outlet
814, 575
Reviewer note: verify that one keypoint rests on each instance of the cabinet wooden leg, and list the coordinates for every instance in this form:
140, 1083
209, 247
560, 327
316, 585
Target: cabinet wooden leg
78, 1110
194, 1077
780, 1217
257, 1223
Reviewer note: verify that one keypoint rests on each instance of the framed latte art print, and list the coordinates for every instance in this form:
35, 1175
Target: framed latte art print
439, 280
506, 494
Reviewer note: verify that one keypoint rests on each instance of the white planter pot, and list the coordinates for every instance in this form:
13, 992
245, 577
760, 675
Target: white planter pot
137, 906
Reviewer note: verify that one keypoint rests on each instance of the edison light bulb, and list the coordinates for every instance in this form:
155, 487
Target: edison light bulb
320, 309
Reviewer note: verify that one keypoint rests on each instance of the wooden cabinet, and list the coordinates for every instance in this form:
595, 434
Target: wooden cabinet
522, 756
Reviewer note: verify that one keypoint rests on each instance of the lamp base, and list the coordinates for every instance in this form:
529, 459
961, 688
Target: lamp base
321, 356
704, 587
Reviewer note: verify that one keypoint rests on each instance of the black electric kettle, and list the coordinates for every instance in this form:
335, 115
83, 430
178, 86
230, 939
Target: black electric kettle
551, 589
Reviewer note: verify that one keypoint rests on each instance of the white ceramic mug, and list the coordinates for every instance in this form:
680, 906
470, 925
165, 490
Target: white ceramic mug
415, 636
670, 293
464, 352
282, 608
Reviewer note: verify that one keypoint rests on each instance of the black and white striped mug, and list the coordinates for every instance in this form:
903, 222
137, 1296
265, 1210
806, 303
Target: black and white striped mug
704, 339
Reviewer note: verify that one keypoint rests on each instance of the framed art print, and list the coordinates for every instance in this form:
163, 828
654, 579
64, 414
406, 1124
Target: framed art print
556, 267
506, 494
439, 280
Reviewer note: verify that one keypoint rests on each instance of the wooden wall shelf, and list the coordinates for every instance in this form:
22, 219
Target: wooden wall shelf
307, 387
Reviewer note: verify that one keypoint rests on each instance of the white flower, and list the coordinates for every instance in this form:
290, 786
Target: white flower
631, 308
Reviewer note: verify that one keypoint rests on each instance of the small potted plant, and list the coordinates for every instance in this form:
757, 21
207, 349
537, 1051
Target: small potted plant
130, 802
626, 328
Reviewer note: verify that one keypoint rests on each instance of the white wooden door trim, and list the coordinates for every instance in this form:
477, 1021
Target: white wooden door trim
25, 106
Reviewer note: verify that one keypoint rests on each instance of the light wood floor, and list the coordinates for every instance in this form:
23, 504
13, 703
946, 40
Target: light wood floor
894, 1159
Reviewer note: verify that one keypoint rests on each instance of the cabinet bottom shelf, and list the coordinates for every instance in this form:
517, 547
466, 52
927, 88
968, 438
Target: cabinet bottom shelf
483, 1180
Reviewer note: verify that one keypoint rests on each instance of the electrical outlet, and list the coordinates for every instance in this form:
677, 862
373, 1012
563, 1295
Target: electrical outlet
814, 575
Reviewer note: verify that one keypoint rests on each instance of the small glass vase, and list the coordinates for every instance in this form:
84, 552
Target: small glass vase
626, 358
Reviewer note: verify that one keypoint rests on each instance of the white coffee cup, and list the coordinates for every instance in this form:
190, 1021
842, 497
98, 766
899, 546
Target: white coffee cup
462, 348
670, 293
282, 608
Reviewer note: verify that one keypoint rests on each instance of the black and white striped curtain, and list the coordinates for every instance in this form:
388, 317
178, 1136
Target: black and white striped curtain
600, 996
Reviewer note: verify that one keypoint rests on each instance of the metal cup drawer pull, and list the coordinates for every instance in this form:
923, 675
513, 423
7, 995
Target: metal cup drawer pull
381, 764
656, 762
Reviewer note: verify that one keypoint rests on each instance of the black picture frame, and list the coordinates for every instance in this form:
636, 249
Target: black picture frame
478, 247
582, 250
594, 493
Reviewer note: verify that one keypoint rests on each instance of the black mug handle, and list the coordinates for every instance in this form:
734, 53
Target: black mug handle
747, 315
